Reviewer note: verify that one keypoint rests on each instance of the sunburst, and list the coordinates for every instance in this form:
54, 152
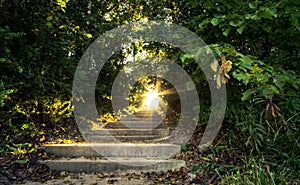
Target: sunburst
153, 97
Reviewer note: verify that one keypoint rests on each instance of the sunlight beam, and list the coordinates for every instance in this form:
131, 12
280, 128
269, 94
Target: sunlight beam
151, 100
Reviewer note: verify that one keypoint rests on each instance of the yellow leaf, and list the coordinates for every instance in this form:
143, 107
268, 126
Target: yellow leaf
42, 139
88, 35
61, 27
99, 175
224, 79
228, 66
218, 81
77, 27
214, 65
225, 68
68, 141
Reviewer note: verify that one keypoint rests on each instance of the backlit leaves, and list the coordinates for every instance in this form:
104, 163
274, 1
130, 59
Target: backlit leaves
62, 4
88, 35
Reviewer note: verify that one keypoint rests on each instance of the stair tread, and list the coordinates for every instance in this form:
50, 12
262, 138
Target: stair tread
126, 136
111, 144
125, 159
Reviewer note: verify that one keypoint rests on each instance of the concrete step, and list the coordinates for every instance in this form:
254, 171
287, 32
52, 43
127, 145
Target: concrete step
125, 135
131, 132
138, 138
117, 165
143, 115
142, 125
124, 150
146, 113
118, 147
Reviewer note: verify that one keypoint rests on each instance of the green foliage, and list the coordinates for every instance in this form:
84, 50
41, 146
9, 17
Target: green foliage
267, 30
253, 173
41, 45
260, 40
185, 148
4, 94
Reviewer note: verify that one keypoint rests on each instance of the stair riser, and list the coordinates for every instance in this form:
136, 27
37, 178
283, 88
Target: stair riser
113, 150
122, 138
138, 125
118, 167
131, 132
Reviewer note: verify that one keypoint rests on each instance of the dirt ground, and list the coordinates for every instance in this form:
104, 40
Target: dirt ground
88, 179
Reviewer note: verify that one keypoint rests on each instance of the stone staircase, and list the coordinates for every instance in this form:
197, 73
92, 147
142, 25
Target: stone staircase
134, 149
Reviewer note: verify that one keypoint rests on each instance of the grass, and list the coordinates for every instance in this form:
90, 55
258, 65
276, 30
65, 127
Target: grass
276, 161
256, 171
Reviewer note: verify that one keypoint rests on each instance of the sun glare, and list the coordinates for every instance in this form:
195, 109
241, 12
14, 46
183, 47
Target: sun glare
154, 93
151, 99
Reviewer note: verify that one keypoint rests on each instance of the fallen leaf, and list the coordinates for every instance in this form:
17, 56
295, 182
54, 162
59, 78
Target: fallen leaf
42, 139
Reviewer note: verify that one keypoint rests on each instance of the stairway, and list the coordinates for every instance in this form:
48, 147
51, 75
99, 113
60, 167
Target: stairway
133, 149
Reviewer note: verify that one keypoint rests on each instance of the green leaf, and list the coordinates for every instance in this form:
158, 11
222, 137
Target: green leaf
197, 167
269, 90
49, 25
22, 161
226, 32
267, 28
190, 85
241, 29
49, 18
215, 21
31, 150
247, 94
235, 23
252, 5
255, 17
184, 57
185, 148
251, 131
244, 77
267, 13
261, 128
246, 62
294, 21
262, 78
204, 22
20, 69
3, 59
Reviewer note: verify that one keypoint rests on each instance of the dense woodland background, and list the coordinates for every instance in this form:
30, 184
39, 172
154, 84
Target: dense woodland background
43, 41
